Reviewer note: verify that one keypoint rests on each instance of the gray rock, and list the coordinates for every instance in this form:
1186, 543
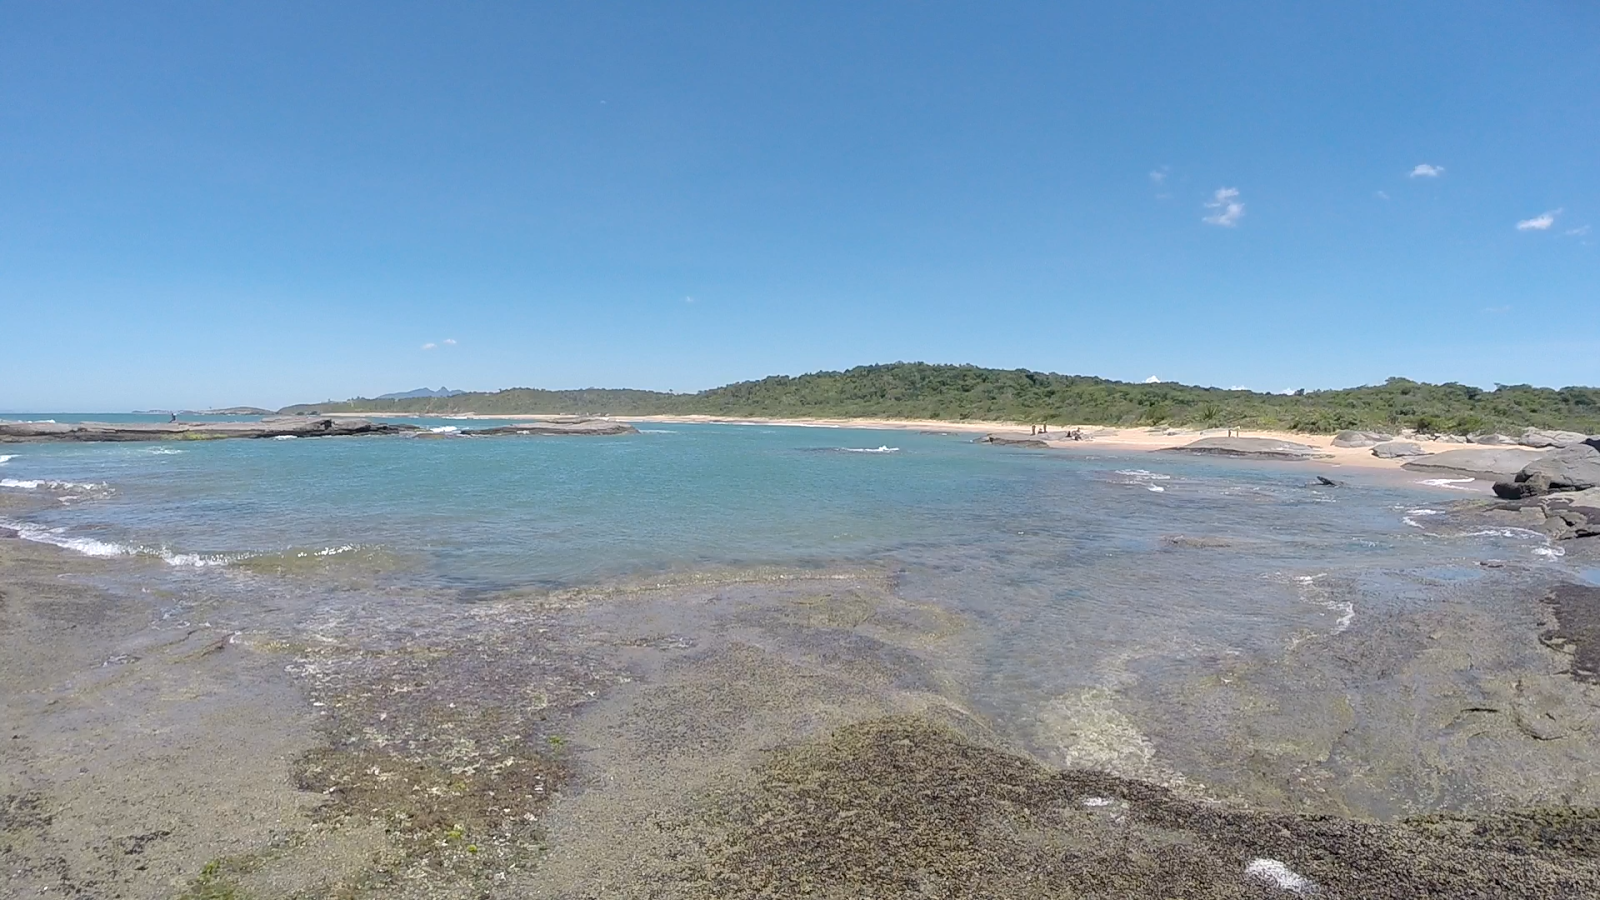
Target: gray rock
1360, 438
1575, 468
548, 427
1252, 448
275, 426
1398, 450
1486, 462
1494, 439
1013, 441
1450, 439
1534, 437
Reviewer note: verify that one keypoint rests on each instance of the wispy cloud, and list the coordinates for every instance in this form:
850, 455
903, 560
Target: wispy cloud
1159, 176
688, 299
1580, 231
447, 342
1423, 170
429, 346
1229, 208
1541, 222
1383, 195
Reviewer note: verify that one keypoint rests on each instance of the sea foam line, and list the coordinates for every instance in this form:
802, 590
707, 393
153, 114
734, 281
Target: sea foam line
885, 448
33, 484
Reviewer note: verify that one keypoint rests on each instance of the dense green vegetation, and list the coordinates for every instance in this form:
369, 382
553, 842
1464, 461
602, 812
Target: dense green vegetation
957, 393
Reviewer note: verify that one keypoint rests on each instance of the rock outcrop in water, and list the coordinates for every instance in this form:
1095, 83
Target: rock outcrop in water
1252, 448
593, 427
1575, 468
1013, 441
1499, 462
276, 426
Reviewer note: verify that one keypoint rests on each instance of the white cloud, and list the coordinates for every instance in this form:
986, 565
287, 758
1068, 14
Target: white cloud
1423, 170
1541, 222
1238, 387
1580, 231
1229, 208
1153, 379
688, 299
1158, 176
429, 346
449, 342
1383, 195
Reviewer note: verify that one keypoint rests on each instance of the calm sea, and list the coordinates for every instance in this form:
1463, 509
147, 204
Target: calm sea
1066, 562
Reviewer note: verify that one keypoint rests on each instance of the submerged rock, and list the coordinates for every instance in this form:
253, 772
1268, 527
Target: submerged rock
1252, 448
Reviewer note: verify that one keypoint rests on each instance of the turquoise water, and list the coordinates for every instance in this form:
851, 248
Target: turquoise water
509, 510
984, 528
1072, 570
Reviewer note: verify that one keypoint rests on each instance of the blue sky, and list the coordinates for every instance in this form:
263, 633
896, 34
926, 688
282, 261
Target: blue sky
268, 203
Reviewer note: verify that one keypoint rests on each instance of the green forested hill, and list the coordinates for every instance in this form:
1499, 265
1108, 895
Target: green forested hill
956, 393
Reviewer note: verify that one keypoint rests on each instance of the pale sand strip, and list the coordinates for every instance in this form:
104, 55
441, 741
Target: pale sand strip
1103, 437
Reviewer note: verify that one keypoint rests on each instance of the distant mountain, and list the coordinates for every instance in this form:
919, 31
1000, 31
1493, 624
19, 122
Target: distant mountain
419, 392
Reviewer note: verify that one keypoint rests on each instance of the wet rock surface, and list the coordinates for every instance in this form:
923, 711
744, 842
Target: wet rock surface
1251, 448
270, 427
770, 733
1577, 629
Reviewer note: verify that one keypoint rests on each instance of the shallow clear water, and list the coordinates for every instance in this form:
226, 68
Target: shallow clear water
1074, 568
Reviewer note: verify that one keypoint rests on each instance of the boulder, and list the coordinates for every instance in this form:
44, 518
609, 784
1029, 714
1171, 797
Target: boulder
1013, 441
1495, 439
1485, 462
1360, 438
565, 426
1398, 450
1575, 468
1252, 448
1534, 437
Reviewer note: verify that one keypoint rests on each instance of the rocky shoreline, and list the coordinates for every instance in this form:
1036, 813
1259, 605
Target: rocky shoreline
275, 427
766, 733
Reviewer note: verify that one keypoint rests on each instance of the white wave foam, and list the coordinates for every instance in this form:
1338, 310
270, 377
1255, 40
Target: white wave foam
1452, 483
1280, 876
88, 546
8, 457
1155, 487
1141, 473
1549, 552
285, 437
34, 484
445, 429
656, 431
164, 451
882, 449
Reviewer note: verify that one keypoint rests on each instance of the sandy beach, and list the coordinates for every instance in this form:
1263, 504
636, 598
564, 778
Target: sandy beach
1098, 437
